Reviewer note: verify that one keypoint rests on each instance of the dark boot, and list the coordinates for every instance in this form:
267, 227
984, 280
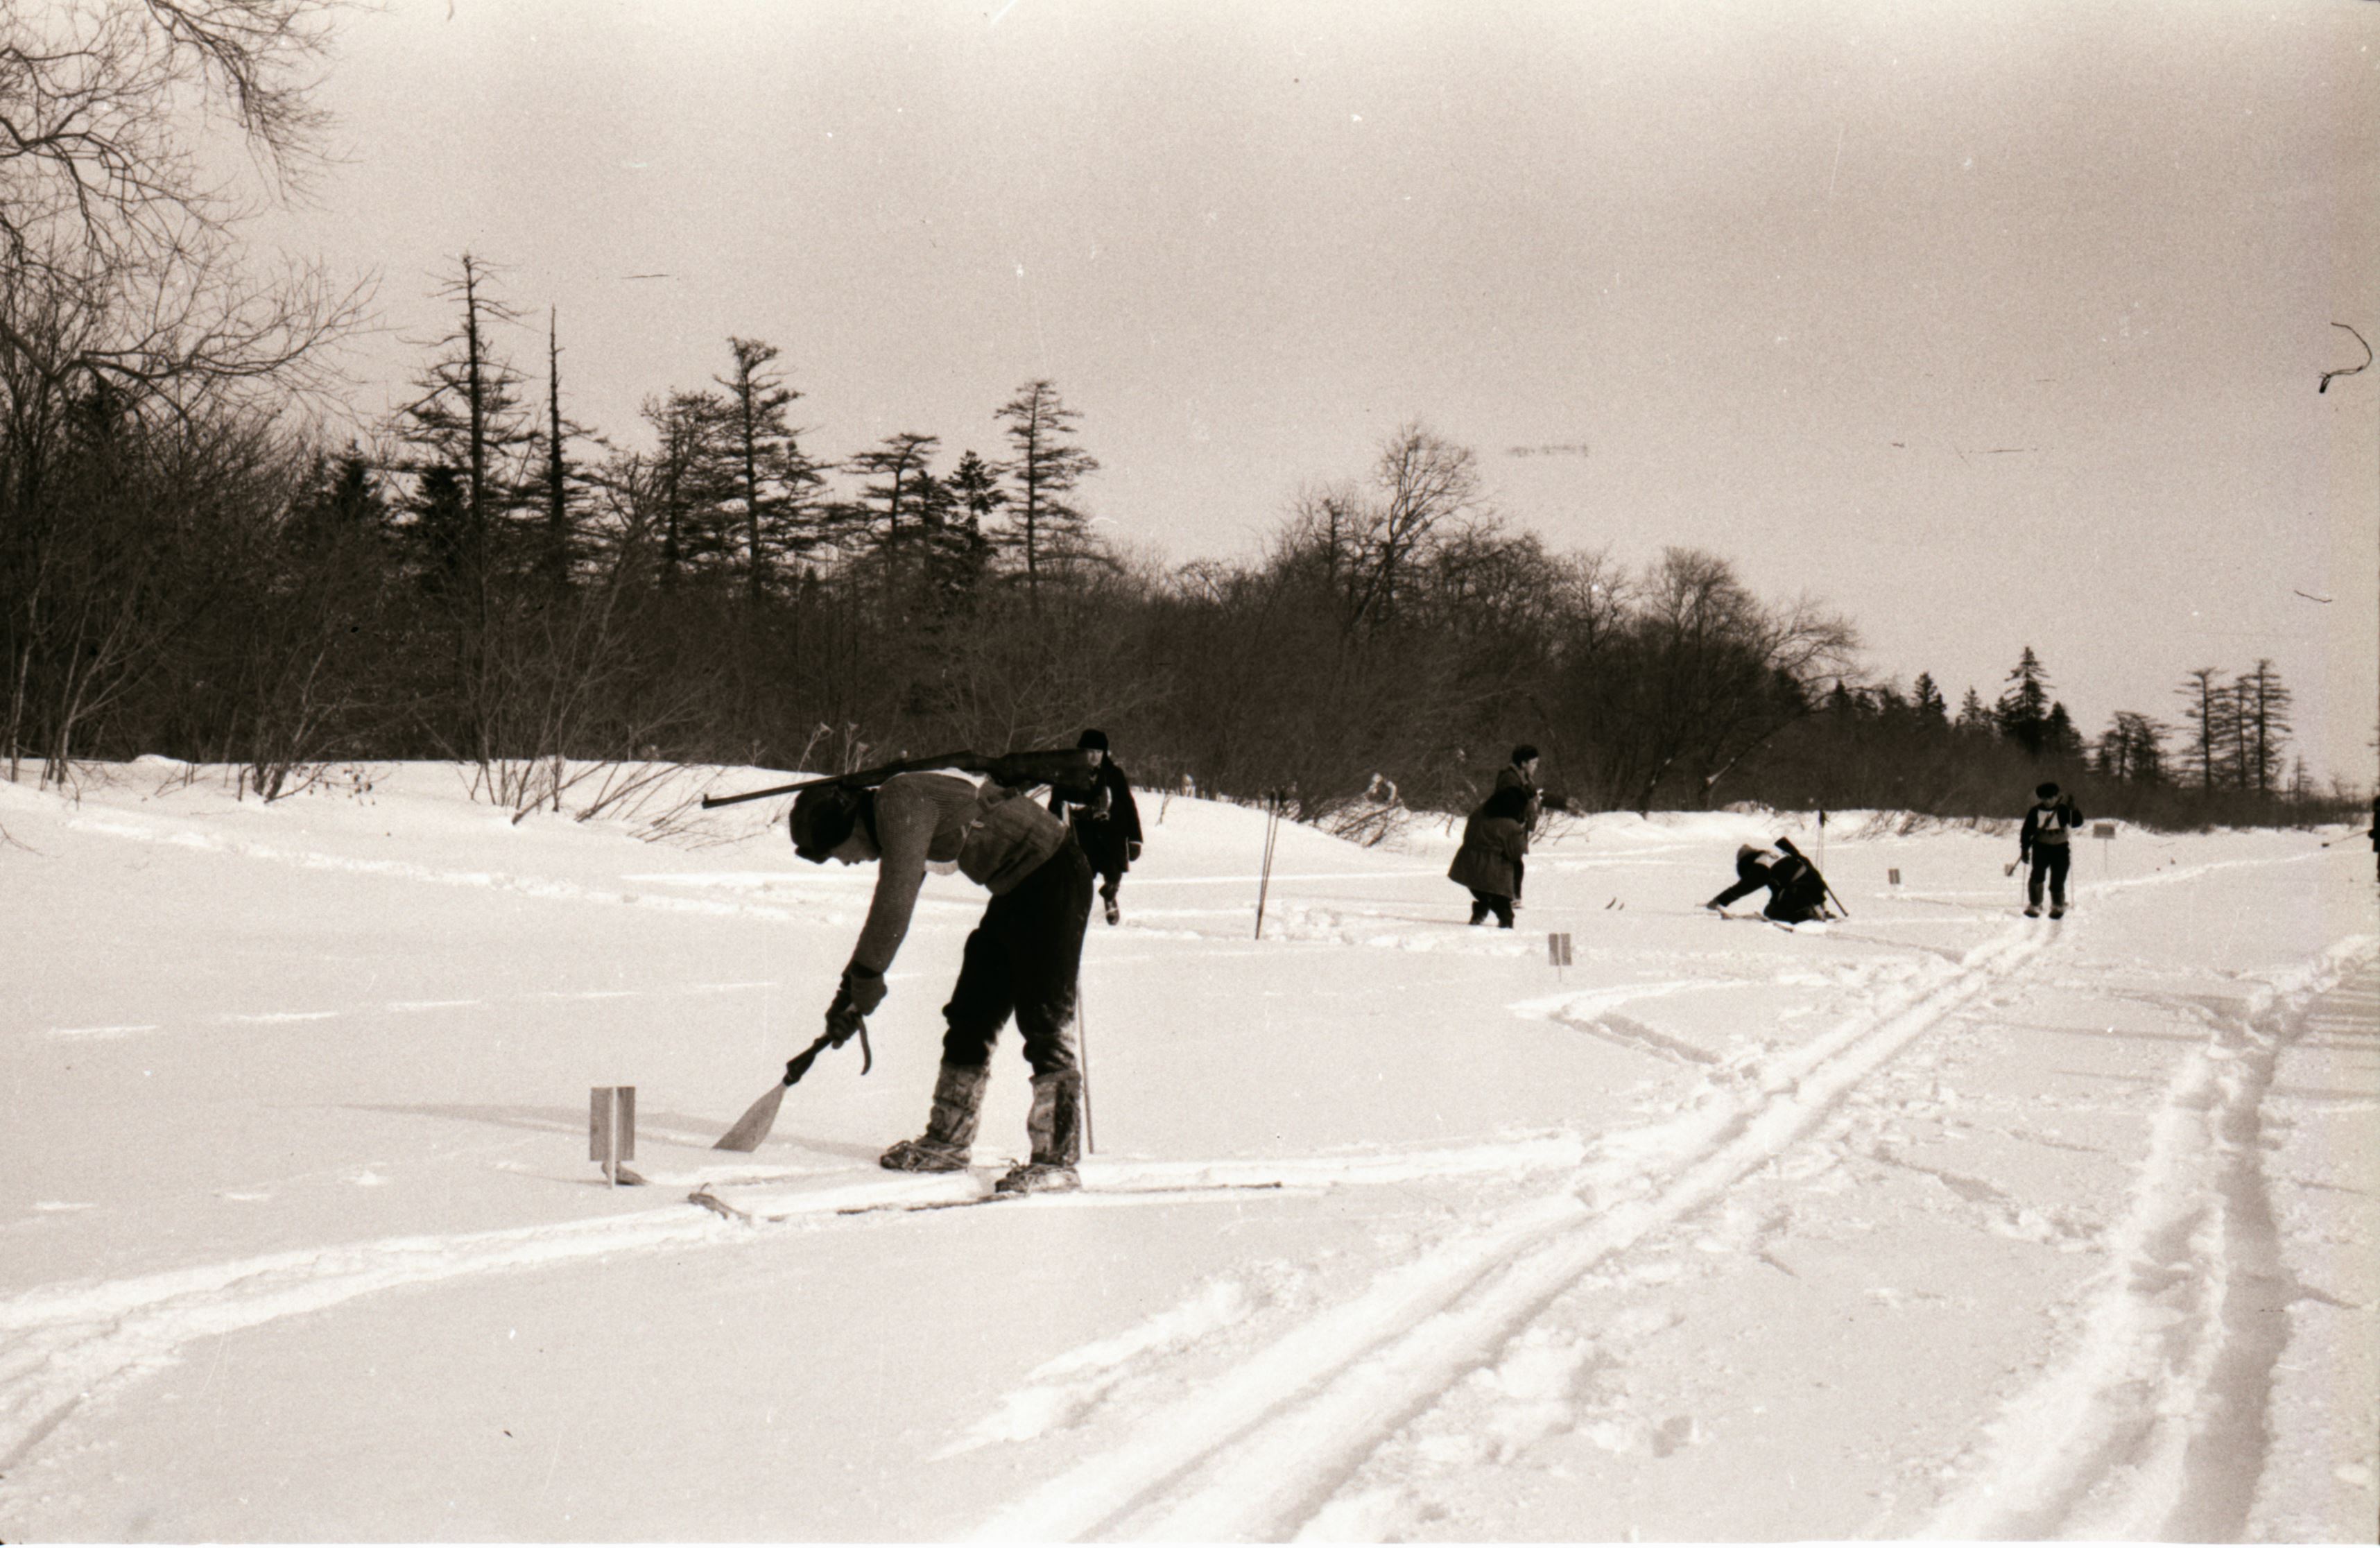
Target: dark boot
1055, 1126
950, 1128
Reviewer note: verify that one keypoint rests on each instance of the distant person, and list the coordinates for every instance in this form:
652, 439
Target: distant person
2376, 833
1107, 825
1023, 958
1521, 773
1796, 892
1752, 863
2045, 841
1492, 859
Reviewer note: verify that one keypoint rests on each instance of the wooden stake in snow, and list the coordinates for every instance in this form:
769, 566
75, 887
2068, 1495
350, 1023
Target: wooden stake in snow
611, 1131
1557, 952
1893, 875
2106, 833
1264, 883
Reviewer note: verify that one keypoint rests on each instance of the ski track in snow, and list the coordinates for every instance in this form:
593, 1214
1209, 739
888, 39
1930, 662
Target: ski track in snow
2173, 1353
2101, 1450
1261, 1449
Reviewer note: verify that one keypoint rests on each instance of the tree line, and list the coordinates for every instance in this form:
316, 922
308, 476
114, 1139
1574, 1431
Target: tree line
185, 569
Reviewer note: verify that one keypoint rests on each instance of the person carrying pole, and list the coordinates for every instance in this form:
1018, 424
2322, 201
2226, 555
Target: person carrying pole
1024, 959
2045, 841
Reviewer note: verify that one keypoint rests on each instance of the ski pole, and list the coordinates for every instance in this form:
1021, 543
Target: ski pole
1264, 882
1083, 1056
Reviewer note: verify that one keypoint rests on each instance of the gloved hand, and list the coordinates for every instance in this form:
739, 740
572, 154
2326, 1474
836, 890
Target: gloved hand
862, 990
1131, 849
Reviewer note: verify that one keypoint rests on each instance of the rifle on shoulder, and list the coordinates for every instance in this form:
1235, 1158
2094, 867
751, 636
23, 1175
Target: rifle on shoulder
1072, 770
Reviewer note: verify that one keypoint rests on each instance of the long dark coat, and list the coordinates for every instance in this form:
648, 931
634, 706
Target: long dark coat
1108, 825
1490, 861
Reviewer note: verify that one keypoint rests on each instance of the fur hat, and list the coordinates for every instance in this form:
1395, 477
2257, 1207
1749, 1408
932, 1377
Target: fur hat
1093, 738
1523, 752
2045, 789
823, 817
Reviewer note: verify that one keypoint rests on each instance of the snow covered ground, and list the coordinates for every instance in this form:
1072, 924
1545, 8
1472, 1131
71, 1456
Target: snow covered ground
1935, 1222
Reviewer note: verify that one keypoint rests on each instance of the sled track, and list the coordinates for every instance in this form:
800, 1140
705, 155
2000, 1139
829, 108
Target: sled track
1259, 1451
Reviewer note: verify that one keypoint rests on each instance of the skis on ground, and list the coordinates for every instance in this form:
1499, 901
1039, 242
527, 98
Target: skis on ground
1815, 926
957, 1191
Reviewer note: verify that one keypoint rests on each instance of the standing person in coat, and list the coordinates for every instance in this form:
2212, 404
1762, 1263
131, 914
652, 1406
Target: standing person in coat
2044, 840
1495, 845
1023, 957
1106, 825
1752, 863
1521, 775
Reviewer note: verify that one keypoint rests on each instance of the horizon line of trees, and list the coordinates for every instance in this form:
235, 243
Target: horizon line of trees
184, 572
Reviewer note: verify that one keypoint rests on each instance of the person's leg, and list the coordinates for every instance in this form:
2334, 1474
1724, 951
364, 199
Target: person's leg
1046, 943
2034, 877
1479, 905
1503, 908
2061, 856
979, 1005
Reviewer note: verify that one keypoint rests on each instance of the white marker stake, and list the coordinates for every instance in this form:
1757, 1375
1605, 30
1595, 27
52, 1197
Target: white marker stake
611, 1131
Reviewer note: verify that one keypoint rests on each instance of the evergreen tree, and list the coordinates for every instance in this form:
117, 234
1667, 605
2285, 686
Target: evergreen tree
2207, 708
472, 423
902, 487
2023, 713
690, 485
764, 464
2058, 736
1045, 468
1973, 716
2264, 706
1928, 701
551, 493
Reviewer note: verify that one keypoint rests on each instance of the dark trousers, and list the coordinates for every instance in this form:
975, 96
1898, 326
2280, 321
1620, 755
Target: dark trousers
1485, 903
2051, 862
1750, 877
1022, 959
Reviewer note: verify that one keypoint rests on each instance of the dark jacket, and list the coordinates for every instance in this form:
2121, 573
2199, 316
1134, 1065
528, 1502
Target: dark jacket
1796, 891
1490, 861
994, 835
1107, 825
1509, 777
2050, 821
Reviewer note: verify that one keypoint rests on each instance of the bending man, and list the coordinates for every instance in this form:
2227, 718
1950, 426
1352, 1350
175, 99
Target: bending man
1023, 957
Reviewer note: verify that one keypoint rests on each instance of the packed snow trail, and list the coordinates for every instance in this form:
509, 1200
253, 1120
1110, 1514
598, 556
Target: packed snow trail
2176, 1356
1257, 1454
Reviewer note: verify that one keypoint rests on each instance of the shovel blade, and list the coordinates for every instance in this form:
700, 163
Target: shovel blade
754, 1126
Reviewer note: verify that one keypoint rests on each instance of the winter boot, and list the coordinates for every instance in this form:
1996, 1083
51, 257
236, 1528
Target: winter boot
950, 1129
1055, 1125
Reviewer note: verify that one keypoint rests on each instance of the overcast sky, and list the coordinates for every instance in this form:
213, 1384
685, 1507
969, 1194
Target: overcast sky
1992, 324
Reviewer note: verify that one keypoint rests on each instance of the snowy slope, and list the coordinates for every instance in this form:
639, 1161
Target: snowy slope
1936, 1221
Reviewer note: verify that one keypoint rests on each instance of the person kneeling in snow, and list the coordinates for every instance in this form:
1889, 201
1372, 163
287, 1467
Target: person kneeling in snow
1796, 891
1023, 957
